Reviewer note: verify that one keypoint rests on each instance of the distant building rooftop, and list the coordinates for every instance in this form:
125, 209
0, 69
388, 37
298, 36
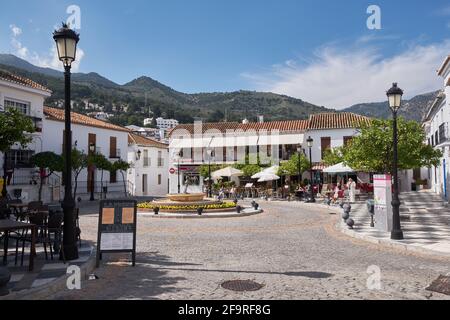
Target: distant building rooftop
143, 141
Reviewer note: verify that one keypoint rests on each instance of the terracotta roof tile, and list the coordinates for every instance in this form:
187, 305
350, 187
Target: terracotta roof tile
345, 120
143, 141
320, 121
57, 114
13, 78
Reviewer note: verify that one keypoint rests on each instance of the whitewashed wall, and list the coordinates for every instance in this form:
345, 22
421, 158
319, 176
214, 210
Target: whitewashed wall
337, 140
53, 141
135, 174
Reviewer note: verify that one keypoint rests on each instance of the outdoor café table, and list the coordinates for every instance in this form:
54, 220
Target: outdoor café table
8, 226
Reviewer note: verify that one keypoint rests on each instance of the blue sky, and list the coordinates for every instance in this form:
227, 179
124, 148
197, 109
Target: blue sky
317, 50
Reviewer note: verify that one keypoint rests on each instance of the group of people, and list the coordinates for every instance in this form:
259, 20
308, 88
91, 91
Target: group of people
341, 189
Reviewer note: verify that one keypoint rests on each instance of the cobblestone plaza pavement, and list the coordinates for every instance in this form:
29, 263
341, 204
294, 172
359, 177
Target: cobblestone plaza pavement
293, 249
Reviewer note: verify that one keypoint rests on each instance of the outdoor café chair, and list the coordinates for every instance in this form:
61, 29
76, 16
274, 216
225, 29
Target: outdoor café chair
54, 227
40, 220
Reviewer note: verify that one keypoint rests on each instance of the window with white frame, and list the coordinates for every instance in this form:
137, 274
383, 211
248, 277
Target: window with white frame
23, 107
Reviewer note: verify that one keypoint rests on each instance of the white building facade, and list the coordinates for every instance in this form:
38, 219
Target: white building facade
162, 123
273, 141
28, 97
89, 135
149, 173
438, 135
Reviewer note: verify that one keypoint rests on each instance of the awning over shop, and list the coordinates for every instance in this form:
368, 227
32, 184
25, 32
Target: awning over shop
339, 168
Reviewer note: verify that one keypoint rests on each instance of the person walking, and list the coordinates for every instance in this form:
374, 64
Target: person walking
352, 190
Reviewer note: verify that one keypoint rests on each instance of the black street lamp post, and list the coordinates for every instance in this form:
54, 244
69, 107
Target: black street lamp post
395, 100
178, 169
299, 152
92, 173
211, 154
310, 142
66, 44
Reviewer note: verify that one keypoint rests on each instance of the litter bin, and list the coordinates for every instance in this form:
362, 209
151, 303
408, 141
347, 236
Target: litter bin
413, 186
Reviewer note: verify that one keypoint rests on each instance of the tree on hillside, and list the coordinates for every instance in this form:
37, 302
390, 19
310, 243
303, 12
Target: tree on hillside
372, 150
48, 163
13, 129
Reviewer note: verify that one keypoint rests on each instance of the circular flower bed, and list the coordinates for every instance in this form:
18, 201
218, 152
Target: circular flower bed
181, 208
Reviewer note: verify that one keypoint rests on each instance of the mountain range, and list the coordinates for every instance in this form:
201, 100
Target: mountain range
132, 102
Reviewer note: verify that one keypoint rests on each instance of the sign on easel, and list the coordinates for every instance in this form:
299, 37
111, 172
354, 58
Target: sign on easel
383, 202
117, 228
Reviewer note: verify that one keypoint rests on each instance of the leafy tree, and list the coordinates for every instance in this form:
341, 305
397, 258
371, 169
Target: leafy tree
48, 163
216, 116
13, 129
99, 161
290, 168
372, 150
121, 166
79, 163
204, 169
249, 169
334, 156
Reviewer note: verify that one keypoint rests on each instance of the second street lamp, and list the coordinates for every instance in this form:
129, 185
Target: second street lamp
299, 152
92, 171
66, 45
310, 142
395, 101
211, 154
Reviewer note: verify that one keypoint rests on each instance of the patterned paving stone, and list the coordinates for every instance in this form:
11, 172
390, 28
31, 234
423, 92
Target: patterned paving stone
284, 248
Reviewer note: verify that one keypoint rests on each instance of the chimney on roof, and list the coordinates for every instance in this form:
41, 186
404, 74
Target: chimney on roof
261, 119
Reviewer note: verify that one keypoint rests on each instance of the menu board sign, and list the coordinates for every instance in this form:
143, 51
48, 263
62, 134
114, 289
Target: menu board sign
117, 228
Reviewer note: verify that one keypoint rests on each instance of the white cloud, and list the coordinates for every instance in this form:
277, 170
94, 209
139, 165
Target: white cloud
15, 30
49, 60
20, 50
339, 78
